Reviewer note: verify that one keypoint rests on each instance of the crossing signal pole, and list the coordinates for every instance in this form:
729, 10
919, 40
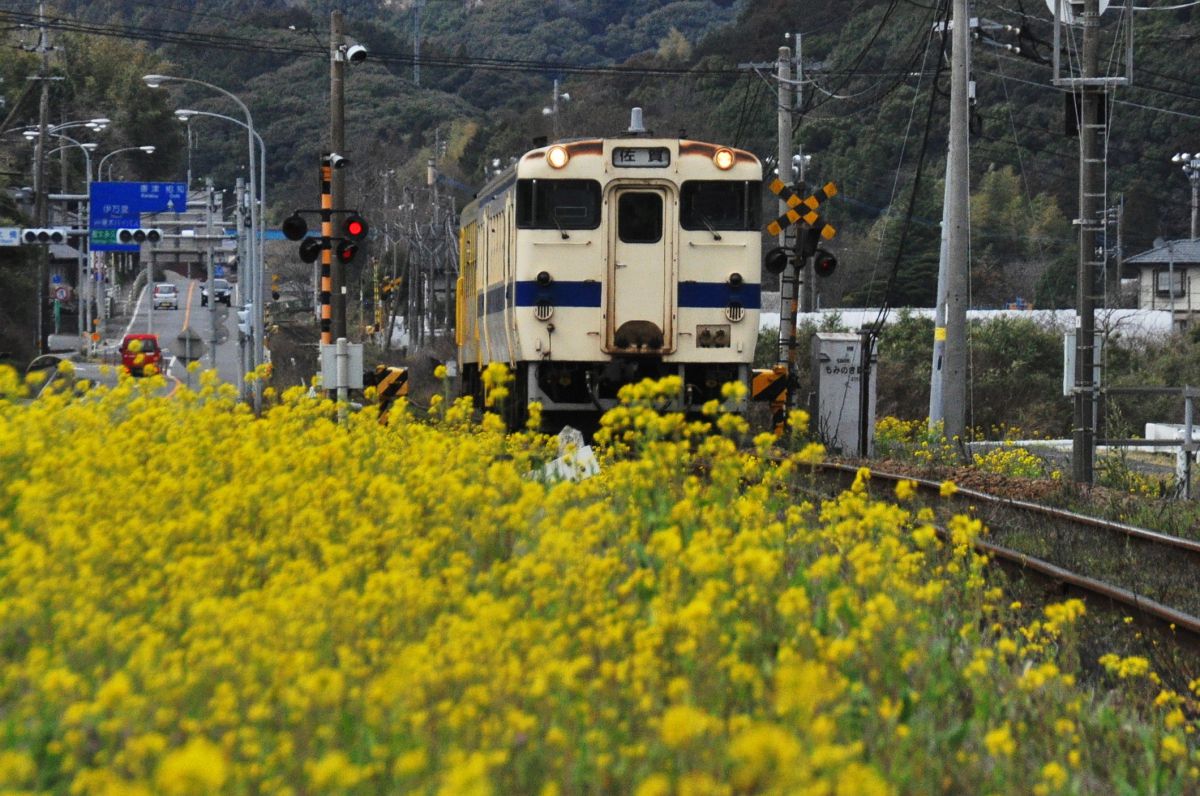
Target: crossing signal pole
337, 143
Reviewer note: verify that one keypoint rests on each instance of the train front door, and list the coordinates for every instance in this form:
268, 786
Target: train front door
641, 271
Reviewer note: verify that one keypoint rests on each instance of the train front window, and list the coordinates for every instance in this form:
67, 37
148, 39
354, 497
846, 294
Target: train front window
720, 204
640, 218
558, 204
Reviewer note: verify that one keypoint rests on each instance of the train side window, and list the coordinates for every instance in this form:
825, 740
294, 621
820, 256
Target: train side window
640, 218
720, 204
558, 204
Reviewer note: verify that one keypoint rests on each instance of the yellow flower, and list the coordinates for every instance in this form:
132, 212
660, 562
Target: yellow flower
905, 489
1172, 749
999, 742
948, 488
655, 785
196, 769
682, 724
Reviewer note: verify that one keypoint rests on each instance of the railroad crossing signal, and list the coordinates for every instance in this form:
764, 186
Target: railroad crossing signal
809, 215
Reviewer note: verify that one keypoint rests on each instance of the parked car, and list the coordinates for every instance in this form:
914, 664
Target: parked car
221, 289
166, 295
140, 354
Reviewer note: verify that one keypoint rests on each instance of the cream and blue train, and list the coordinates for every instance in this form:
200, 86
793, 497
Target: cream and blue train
591, 264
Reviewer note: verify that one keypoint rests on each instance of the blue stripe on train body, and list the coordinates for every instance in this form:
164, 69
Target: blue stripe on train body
718, 294
711, 295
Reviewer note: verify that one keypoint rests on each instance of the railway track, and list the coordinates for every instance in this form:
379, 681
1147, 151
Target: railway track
1150, 576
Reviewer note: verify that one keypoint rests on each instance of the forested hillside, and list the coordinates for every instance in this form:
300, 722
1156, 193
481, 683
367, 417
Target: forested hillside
871, 70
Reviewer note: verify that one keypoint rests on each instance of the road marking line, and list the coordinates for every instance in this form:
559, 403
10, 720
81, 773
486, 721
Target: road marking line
136, 304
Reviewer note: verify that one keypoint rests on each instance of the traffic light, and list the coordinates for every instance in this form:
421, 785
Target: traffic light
346, 249
310, 250
243, 318
776, 260
37, 236
354, 229
294, 227
824, 263
274, 287
151, 235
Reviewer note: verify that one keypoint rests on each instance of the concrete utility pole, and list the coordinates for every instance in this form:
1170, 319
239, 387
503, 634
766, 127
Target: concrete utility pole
1091, 195
789, 280
211, 277
241, 201
435, 310
337, 143
948, 388
806, 288
41, 207
418, 9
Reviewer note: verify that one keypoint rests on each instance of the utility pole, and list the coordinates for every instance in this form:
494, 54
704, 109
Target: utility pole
948, 388
41, 208
418, 9
212, 266
431, 176
805, 288
241, 203
337, 143
1091, 194
789, 280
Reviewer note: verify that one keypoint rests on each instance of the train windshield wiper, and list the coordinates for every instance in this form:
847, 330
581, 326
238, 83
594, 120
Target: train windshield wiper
561, 231
704, 220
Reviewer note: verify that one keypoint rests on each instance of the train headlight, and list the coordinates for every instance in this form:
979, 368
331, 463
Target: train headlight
735, 280
544, 278
723, 159
557, 156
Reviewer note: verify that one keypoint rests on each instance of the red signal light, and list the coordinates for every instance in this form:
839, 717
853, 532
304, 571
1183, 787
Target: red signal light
354, 227
346, 251
824, 263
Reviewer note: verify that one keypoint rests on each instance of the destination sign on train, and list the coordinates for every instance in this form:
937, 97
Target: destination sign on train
641, 157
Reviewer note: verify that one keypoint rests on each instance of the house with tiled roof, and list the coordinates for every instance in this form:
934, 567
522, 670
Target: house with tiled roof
1169, 279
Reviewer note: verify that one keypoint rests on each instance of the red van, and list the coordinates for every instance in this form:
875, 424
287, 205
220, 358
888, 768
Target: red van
140, 354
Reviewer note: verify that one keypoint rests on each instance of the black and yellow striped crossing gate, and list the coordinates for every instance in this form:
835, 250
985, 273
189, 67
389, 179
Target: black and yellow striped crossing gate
770, 384
802, 209
390, 382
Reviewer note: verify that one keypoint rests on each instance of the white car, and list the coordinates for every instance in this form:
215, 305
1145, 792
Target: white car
166, 295
221, 289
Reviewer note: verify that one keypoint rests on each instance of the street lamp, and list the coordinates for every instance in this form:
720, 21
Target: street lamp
187, 114
255, 271
1191, 167
156, 81
83, 277
552, 109
148, 149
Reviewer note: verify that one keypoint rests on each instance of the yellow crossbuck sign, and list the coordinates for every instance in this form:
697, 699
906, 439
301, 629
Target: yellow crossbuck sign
808, 214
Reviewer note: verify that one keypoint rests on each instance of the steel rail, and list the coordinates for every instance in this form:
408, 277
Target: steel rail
1136, 603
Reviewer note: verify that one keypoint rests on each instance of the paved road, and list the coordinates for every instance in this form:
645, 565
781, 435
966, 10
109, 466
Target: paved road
189, 332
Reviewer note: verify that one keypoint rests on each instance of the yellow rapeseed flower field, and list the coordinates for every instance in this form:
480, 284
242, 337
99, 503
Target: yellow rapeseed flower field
194, 600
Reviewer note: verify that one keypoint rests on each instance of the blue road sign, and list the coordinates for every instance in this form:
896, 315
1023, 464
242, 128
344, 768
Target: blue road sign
119, 205
218, 270
56, 279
